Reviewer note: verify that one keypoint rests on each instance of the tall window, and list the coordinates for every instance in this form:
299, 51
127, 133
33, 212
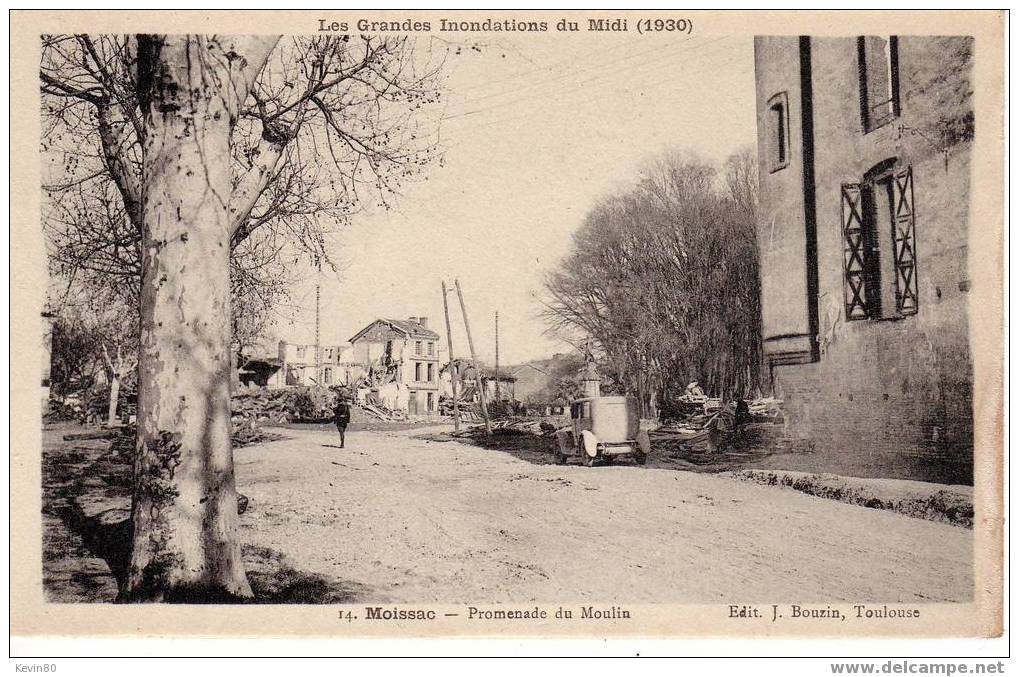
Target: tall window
879, 79
431, 372
431, 402
327, 376
417, 348
417, 371
431, 349
879, 244
777, 127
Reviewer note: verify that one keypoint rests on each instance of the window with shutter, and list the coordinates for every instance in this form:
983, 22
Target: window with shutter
878, 216
854, 255
878, 57
906, 300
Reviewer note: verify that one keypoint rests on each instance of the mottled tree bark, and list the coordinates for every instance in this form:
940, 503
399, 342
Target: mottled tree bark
185, 545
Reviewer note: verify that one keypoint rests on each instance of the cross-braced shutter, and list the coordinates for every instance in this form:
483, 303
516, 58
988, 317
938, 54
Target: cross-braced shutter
853, 254
905, 247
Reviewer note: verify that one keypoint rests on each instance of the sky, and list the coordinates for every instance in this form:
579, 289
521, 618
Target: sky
535, 130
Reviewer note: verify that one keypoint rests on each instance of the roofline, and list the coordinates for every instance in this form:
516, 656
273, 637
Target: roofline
429, 333
372, 324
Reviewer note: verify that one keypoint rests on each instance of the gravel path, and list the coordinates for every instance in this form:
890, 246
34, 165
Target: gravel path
407, 520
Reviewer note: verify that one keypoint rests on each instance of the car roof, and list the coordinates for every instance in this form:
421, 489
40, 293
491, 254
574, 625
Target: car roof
603, 398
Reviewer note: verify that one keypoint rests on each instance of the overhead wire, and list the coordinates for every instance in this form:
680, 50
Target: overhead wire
571, 73
560, 97
641, 68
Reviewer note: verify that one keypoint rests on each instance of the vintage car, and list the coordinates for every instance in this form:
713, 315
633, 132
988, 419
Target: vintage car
601, 429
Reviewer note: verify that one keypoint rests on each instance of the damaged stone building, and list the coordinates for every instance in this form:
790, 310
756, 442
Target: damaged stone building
302, 366
864, 157
401, 359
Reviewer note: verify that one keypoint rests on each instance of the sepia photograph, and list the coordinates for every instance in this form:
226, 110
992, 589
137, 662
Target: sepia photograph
435, 323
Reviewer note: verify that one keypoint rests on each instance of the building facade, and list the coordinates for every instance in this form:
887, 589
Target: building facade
299, 366
864, 159
405, 353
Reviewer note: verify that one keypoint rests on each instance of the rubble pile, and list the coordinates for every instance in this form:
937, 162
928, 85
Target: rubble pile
373, 407
470, 412
514, 425
766, 410
701, 424
290, 405
243, 433
248, 432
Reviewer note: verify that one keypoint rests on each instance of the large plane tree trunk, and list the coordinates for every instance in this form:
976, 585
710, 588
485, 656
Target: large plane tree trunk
185, 544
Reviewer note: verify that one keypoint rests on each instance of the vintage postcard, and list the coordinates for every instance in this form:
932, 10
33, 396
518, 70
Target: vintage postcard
428, 323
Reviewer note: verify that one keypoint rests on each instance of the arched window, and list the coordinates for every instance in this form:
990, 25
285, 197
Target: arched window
879, 245
777, 126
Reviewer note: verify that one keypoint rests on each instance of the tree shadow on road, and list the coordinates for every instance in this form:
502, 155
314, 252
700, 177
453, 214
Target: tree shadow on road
274, 581
105, 538
88, 533
521, 444
537, 449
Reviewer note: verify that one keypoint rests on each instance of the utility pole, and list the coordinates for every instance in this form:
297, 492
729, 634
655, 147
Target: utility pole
498, 395
318, 307
474, 359
454, 374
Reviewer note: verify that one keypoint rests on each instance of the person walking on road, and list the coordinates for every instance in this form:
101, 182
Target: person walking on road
341, 417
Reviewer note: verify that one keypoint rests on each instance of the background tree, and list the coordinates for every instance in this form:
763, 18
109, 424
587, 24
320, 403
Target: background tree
333, 126
209, 142
74, 366
95, 335
664, 278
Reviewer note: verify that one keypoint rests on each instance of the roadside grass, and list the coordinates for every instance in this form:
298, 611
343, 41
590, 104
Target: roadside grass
951, 504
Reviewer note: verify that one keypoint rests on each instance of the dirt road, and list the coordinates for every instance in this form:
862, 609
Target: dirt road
402, 519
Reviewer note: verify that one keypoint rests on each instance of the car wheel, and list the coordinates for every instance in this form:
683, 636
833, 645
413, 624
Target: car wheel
587, 447
558, 456
644, 443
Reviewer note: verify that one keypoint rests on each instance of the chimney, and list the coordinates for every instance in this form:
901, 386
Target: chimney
423, 321
412, 319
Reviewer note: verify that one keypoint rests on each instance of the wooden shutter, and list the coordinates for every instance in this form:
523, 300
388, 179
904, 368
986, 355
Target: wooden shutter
906, 298
853, 253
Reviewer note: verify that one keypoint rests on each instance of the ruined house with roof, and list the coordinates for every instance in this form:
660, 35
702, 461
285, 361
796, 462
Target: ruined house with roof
401, 361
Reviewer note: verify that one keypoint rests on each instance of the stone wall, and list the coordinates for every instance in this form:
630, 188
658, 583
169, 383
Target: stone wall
781, 226
887, 397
